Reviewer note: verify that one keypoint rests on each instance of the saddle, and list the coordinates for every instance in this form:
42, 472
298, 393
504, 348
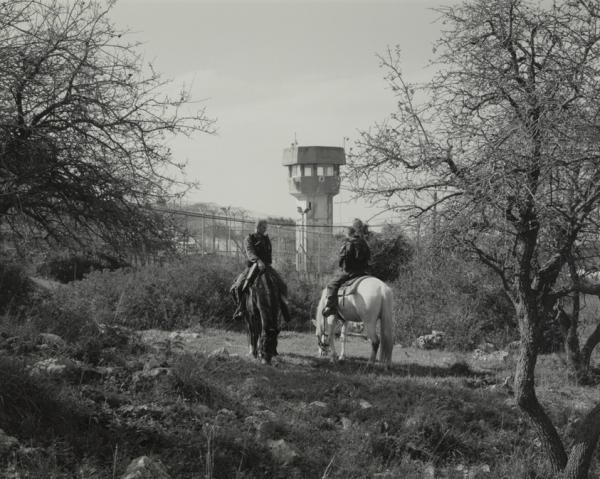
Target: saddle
348, 289
350, 286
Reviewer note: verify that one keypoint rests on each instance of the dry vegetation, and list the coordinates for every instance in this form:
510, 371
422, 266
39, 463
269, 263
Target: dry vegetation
214, 415
196, 401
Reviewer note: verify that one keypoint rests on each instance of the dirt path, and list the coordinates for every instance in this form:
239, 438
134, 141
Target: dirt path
294, 348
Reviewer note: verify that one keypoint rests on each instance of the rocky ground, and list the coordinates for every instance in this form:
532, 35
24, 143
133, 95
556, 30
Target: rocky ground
190, 404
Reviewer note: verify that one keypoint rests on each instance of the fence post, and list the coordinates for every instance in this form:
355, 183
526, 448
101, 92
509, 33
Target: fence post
203, 243
214, 235
319, 253
228, 220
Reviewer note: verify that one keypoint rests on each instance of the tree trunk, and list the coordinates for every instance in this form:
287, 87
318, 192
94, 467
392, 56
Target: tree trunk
577, 362
588, 348
528, 315
583, 448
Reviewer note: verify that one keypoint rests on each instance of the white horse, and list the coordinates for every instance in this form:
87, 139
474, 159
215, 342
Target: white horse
366, 301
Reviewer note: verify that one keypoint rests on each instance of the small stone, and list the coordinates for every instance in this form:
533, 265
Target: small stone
57, 367
346, 423
282, 452
221, 353
52, 340
145, 467
364, 404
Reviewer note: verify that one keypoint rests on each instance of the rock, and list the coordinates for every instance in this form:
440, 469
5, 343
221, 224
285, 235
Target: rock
487, 347
155, 372
318, 404
266, 429
53, 341
346, 423
435, 340
282, 452
137, 411
201, 409
386, 475
56, 367
364, 404
152, 363
7, 443
225, 416
265, 423
473, 472
145, 467
429, 472
111, 335
182, 335
220, 353
498, 356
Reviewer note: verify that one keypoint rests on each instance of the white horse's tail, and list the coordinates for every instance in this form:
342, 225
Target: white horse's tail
387, 326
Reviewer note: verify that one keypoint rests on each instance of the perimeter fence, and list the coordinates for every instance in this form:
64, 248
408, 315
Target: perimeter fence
209, 233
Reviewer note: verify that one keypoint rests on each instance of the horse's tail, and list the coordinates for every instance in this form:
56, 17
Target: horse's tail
387, 325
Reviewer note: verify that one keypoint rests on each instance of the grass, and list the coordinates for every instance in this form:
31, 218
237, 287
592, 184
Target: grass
213, 416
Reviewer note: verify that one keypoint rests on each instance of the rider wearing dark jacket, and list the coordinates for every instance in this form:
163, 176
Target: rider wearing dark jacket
259, 254
354, 258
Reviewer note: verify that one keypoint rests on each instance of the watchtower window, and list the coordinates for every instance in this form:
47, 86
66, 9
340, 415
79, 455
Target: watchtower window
307, 170
325, 171
296, 170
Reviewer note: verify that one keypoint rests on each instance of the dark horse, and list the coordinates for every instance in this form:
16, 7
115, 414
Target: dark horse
263, 306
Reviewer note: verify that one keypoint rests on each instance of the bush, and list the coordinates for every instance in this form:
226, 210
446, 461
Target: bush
15, 286
186, 293
66, 267
390, 251
180, 294
447, 292
304, 293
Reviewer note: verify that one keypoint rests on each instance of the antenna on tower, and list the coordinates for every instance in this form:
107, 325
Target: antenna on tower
295, 143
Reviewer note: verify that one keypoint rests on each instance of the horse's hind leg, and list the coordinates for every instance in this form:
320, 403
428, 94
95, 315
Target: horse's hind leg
374, 349
253, 330
252, 340
371, 327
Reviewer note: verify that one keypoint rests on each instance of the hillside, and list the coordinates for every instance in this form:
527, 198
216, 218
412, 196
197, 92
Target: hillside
198, 403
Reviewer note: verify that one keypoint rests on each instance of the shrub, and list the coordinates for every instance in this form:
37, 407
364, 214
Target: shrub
390, 251
304, 292
179, 294
185, 293
66, 267
445, 291
15, 286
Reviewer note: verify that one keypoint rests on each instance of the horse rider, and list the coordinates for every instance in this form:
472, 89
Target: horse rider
259, 256
354, 258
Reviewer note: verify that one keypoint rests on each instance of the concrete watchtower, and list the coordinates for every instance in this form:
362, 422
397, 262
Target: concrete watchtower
314, 179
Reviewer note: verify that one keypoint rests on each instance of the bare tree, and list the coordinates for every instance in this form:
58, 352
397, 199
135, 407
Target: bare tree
503, 145
83, 126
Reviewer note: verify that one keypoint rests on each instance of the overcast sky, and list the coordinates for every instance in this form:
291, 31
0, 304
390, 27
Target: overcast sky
273, 71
